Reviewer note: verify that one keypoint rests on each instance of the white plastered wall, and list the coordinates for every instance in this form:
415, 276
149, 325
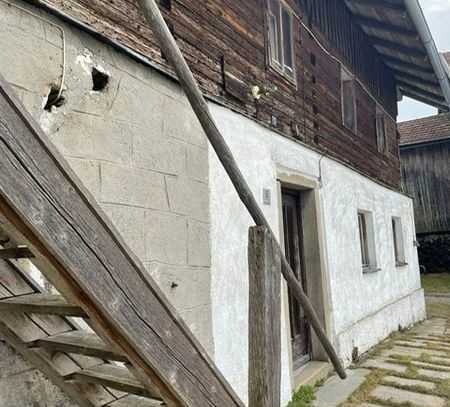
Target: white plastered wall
363, 308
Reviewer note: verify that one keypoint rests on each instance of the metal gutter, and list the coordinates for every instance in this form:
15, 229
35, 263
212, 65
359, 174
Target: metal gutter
416, 14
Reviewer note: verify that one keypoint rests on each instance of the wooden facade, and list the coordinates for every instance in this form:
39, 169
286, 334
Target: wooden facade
225, 43
426, 176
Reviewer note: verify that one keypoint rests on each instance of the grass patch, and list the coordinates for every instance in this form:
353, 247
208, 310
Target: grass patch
362, 394
303, 397
436, 283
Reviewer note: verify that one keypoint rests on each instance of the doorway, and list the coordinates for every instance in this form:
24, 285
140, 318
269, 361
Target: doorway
294, 250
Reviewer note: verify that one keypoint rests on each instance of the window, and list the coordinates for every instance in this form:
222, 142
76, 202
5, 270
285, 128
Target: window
381, 130
367, 241
281, 42
399, 249
348, 100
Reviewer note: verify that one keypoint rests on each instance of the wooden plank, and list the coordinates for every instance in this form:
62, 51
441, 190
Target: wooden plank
264, 319
95, 266
116, 377
45, 366
12, 280
81, 342
135, 401
4, 293
22, 326
16, 253
51, 304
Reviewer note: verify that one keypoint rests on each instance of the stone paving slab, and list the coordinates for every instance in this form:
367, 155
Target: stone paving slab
430, 366
380, 364
409, 382
404, 396
401, 350
434, 374
335, 391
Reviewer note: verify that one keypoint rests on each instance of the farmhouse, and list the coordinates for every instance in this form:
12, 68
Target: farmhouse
116, 209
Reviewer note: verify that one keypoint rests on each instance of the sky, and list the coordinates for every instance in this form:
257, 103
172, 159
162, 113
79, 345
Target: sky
437, 13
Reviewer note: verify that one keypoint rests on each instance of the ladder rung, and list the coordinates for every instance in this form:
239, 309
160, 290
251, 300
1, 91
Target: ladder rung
16, 253
136, 401
49, 304
82, 343
115, 377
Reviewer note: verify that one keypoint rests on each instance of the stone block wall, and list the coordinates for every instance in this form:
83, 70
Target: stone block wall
135, 144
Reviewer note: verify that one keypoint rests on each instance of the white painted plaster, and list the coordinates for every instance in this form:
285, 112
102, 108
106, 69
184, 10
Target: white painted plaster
365, 308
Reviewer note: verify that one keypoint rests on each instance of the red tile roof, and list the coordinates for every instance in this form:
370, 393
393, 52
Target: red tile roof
425, 130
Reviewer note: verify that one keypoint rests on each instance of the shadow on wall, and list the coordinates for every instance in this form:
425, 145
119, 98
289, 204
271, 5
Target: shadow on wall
434, 253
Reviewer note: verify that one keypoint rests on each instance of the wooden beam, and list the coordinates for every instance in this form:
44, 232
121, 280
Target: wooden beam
419, 89
379, 4
225, 156
393, 61
16, 253
264, 319
82, 343
115, 377
48, 304
399, 74
408, 51
389, 28
428, 101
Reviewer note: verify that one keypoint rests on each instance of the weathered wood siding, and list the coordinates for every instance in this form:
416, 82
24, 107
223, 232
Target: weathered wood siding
426, 176
224, 42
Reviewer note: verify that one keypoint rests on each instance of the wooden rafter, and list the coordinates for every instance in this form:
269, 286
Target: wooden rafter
389, 28
408, 51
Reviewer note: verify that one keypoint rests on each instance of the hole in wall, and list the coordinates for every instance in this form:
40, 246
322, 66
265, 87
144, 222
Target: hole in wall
313, 79
167, 4
100, 80
54, 99
315, 109
313, 59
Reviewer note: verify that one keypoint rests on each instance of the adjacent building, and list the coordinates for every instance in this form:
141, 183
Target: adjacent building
425, 154
305, 93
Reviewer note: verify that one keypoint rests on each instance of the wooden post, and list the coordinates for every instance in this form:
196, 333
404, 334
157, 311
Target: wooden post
264, 319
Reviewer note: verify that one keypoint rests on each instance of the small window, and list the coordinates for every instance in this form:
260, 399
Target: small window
367, 241
281, 41
348, 100
381, 130
399, 249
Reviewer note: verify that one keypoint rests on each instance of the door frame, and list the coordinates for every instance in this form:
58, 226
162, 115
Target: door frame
315, 259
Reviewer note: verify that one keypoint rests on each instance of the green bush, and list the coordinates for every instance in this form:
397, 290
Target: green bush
303, 397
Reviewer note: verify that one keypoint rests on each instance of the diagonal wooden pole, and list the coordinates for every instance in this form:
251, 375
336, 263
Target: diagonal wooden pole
201, 109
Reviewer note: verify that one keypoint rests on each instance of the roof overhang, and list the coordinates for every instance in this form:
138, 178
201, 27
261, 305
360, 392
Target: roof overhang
400, 34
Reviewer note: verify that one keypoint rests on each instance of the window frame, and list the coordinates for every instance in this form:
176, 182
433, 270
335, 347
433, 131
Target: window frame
380, 114
346, 76
366, 235
290, 73
398, 241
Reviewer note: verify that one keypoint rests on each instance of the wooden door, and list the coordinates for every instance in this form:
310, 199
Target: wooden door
292, 227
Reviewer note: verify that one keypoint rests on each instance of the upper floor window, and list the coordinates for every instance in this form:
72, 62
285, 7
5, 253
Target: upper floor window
399, 249
348, 100
281, 37
381, 130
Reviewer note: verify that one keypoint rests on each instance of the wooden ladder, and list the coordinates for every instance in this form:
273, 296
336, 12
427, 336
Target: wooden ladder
43, 328
138, 351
